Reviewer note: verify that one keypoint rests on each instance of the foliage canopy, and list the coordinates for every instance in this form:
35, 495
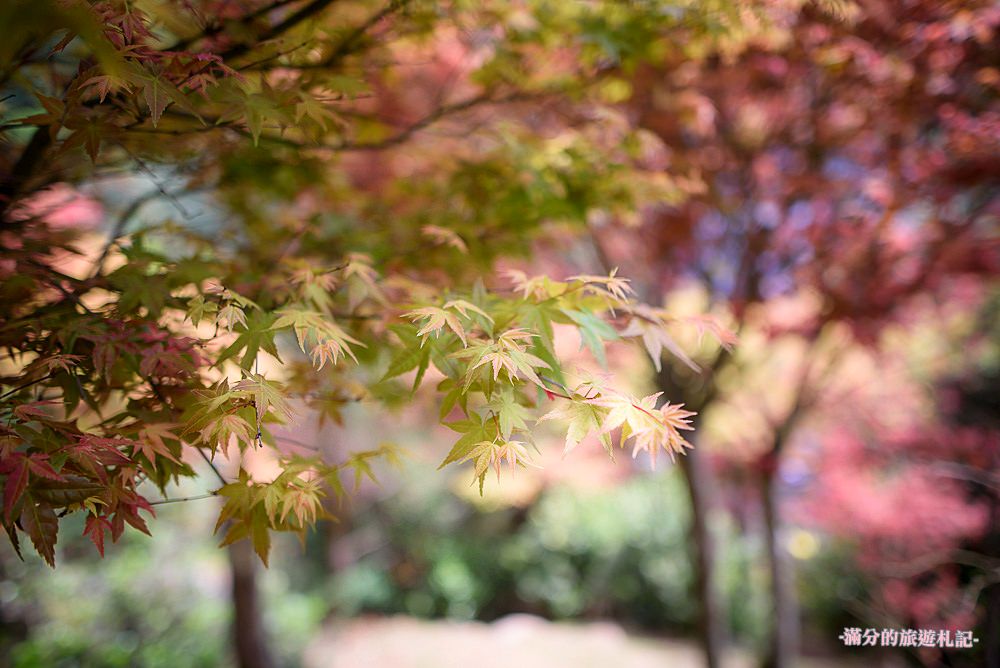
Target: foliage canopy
344, 250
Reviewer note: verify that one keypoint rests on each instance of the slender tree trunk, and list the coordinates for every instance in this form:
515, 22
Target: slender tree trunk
784, 635
711, 621
711, 625
249, 636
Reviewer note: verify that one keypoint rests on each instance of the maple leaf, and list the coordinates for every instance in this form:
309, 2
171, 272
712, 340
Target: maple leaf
246, 514
150, 442
649, 325
510, 414
127, 504
198, 309
612, 286
239, 498
156, 97
490, 453
303, 499
412, 355
331, 340
362, 281
232, 315
104, 450
19, 467
267, 395
310, 107
538, 287
463, 307
17, 482
259, 335
650, 427
708, 324
584, 418
222, 430
66, 362
42, 526
444, 236
437, 318
27, 412
71, 490
592, 331
506, 353
55, 112
474, 430
95, 528
104, 84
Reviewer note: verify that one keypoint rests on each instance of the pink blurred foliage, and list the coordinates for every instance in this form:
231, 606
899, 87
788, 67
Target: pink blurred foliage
904, 501
61, 206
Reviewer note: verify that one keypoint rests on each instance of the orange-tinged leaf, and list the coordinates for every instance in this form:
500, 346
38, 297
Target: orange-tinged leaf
436, 319
150, 442
648, 325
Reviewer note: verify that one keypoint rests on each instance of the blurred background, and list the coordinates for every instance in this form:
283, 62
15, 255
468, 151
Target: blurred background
827, 192
884, 479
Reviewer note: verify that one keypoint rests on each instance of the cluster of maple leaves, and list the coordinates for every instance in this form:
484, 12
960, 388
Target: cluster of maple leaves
122, 379
61, 456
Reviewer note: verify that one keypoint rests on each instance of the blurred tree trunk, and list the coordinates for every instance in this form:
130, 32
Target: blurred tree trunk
783, 641
695, 395
711, 621
783, 646
711, 617
249, 636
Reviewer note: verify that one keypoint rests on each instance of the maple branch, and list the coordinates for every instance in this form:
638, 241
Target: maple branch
347, 45
130, 211
163, 400
211, 465
556, 382
25, 385
433, 117
210, 125
197, 497
211, 31
295, 18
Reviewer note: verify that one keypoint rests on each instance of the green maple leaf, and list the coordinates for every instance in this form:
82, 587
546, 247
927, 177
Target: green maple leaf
583, 418
257, 336
267, 395
510, 414
592, 330
474, 430
413, 355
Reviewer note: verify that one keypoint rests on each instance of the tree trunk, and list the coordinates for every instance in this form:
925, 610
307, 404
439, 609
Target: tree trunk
783, 641
22, 171
249, 636
711, 622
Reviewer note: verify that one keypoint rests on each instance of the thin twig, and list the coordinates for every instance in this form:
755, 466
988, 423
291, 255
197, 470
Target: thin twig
162, 502
212, 466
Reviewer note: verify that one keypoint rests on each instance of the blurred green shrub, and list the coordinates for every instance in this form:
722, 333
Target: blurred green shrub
160, 602
620, 552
